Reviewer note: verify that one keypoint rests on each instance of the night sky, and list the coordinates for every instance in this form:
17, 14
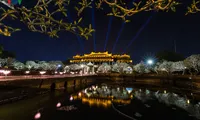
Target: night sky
159, 34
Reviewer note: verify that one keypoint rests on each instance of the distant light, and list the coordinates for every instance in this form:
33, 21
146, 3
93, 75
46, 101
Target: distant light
71, 98
27, 72
93, 87
165, 91
59, 65
129, 90
6, 72
79, 94
150, 62
131, 96
58, 104
118, 89
140, 90
42, 72
163, 69
37, 116
82, 66
188, 101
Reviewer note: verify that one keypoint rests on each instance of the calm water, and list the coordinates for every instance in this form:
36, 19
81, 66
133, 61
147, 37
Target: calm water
102, 102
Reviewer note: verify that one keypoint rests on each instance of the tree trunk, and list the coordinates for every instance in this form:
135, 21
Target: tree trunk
190, 72
183, 72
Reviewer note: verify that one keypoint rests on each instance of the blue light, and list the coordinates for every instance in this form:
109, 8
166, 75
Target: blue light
59, 65
93, 25
108, 33
119, 34
121, 29
78, 38
138, 33
129, 90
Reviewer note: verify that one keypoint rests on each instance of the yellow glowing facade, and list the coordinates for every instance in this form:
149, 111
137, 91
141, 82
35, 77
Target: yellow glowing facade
100, 57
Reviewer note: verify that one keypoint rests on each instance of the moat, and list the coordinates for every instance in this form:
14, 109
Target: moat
107, 100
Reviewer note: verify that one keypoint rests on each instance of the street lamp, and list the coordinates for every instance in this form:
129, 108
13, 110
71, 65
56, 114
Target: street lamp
150, 62
27, 72
6, 72
42, 72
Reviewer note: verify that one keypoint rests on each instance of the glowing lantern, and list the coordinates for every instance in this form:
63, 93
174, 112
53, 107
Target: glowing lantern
27, 72
71, 98
58, 104
37, 116
165, 91
42, 72
79, 94
188, 101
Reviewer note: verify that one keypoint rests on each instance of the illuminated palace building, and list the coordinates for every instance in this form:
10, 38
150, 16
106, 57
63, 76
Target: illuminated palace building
97, 58
91, 63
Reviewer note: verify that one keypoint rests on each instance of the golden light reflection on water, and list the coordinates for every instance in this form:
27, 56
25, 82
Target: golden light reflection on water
97, 102
105, 102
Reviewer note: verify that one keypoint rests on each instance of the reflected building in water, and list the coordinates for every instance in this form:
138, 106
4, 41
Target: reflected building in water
104, 96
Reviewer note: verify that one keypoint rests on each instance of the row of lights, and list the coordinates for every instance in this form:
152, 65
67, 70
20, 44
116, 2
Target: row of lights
6, 72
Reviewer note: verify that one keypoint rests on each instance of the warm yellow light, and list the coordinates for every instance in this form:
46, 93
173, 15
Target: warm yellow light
165, 91
79, 94
131, 96
188, 101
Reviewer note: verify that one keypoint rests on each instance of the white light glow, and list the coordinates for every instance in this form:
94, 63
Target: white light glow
37, 116
6, 72
79, 94
58, 104
150, 62
42, 72
71, 98
1, 71
27, 72
82, 66
165, 91
188, 101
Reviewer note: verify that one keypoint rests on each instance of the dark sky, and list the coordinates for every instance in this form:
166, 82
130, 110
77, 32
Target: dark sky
158, 35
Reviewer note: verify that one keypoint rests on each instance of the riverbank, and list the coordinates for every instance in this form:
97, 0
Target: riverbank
10, 94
